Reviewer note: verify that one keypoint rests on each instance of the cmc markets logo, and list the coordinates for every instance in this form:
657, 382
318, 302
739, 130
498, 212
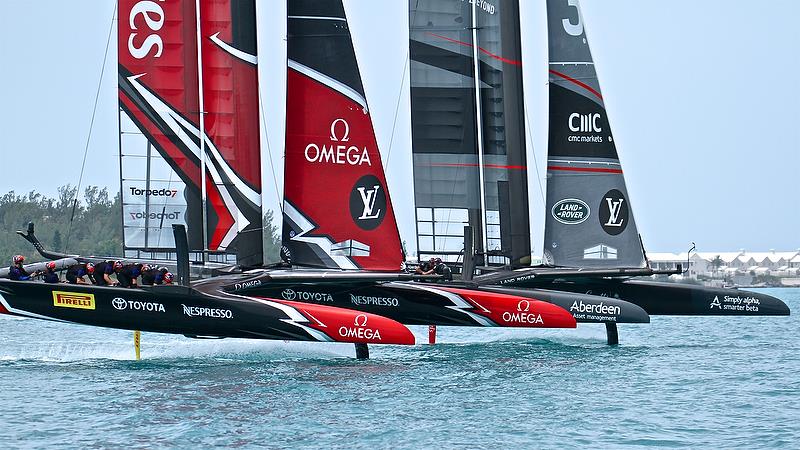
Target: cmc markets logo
154, 192
570, 211
368, 202
174, 215
338, 150
121, 304
613, 214
585, 123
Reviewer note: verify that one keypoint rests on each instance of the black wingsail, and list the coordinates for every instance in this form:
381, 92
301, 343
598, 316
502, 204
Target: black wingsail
589, 220
467, 127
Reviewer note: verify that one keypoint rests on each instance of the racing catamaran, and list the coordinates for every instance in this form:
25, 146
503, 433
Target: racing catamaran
591, 242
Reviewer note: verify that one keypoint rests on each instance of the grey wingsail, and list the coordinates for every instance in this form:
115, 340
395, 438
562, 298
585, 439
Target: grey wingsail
589, 220
467, 129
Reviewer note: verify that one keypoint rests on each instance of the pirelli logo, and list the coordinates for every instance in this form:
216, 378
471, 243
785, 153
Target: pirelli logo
73, 300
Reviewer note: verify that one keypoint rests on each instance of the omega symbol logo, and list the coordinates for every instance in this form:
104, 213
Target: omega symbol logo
345, 135
361, 320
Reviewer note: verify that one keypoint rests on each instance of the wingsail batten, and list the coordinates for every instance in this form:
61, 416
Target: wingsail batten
589, 221
337, 210
162, 148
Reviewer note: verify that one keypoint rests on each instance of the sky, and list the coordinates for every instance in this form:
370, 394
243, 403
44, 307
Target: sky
701, 95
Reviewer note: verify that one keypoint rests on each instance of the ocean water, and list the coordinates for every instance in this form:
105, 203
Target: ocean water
677, 382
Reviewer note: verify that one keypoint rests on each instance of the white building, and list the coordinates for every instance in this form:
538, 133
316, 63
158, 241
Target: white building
730, 264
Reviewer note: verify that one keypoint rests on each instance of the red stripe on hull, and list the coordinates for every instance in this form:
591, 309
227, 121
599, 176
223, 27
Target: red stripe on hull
347, 325
512, 311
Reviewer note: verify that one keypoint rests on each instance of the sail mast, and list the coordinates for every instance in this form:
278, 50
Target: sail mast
203, 192
479, 123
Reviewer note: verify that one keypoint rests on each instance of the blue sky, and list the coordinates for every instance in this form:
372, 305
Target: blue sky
702, 97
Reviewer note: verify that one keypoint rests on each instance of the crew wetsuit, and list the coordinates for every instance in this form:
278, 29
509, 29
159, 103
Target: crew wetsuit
129, 273
18, 273
51, 276
100, 269
74, 272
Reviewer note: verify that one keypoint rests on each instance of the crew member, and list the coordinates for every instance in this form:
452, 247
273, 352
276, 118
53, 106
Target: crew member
168, 278
17, 272
127, 274
76, 272
101, 276
426, 268
50, 274
151, 275
440, 268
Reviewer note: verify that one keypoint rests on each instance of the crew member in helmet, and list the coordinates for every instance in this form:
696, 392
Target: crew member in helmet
76, 273
17, 272
168, 277
101, 276
50, 274
127, 274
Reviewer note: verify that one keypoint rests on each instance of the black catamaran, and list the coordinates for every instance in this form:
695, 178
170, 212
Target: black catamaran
591, 242
190, 157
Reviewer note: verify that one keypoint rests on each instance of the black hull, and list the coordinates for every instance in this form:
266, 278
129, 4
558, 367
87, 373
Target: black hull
202, 310
585, 308
673, 299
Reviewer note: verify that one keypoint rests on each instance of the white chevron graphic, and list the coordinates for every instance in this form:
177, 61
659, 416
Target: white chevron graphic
324, 243
177, 125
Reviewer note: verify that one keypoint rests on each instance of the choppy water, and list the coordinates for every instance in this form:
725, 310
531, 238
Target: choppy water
697, 382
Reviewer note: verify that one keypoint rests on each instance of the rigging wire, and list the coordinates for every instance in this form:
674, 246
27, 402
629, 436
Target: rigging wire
91, 126
535, 161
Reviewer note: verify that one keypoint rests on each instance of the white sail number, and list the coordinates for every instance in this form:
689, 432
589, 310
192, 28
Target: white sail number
153, 15
573, 29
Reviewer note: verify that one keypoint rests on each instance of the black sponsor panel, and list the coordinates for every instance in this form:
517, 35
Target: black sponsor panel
578, 126
323, 45
243, 22
613, 212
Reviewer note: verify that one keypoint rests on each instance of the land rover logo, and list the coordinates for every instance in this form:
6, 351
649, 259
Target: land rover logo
119, 303
288, 294
368, 202
613, 213
571, 211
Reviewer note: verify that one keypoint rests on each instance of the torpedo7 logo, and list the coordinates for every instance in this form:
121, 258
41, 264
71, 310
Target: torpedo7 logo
368, 202
613, 212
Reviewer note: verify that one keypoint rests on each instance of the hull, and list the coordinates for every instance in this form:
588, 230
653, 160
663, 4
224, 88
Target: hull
671, 299
416, 303
585, 308
203, 310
